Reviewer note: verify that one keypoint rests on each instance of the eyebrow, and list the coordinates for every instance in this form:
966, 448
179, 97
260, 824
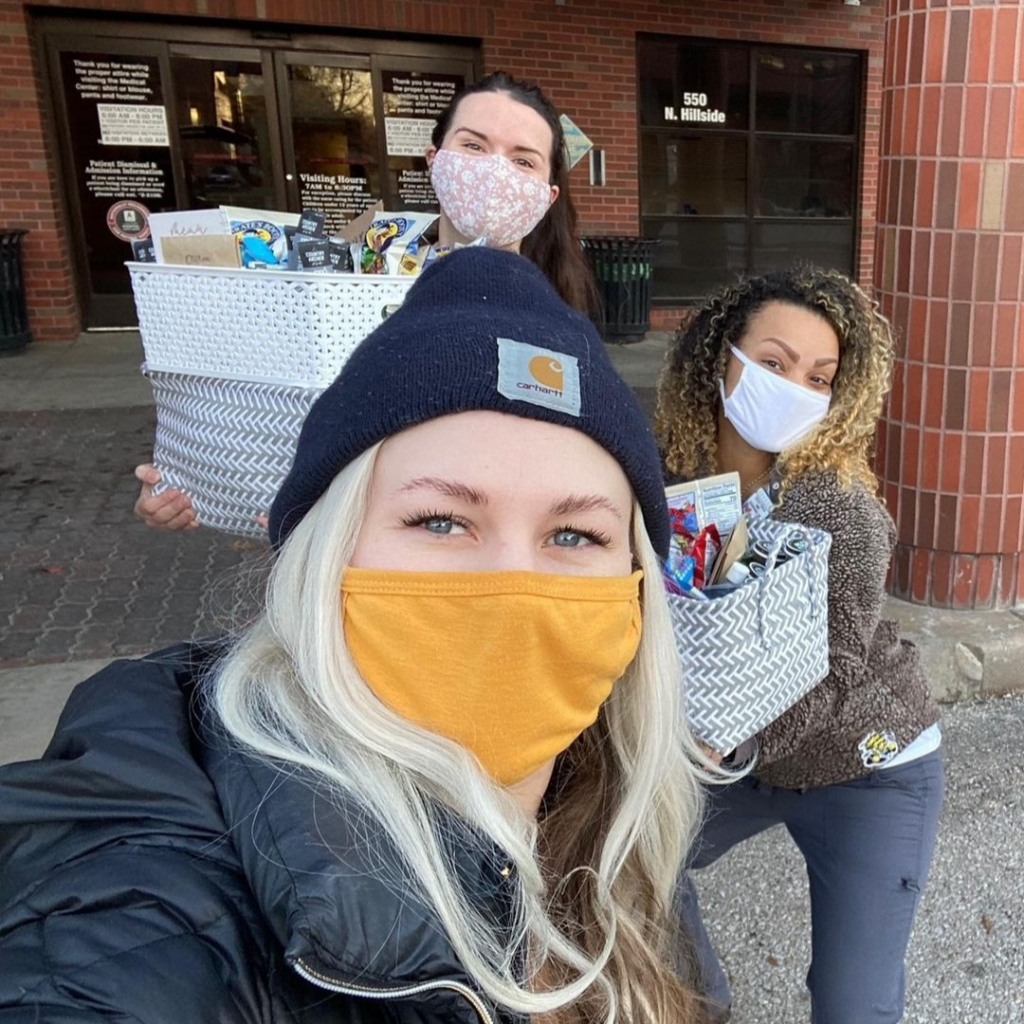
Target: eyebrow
795, 356
576, 504
449, 488
515, 149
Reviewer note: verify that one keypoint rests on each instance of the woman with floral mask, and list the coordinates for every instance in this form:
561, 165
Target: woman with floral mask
498, 167
443, 777
499, 170
782, 379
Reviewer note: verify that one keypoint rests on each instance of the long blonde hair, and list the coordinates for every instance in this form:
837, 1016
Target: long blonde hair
595, 874
686, 420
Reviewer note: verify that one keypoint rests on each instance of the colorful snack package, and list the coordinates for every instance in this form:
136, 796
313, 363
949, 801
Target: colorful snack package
413, 259
256, 253
704, 552
684, 520
266, 225
682, 576
389, 237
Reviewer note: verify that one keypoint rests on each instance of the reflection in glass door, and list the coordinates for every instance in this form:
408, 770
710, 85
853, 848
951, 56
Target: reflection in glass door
331, 161
223, 131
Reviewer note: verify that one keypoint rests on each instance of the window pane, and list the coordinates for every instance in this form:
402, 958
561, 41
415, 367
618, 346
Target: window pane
798, 178
696, 175
656, 59
221, 114
334, 135
708, 80
804, 91
695, 256
828, 245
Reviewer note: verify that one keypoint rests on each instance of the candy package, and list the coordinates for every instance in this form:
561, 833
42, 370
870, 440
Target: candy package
704, 516
389, 239
704, 551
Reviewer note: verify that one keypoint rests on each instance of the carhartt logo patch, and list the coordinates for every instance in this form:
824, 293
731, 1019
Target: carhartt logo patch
527, 373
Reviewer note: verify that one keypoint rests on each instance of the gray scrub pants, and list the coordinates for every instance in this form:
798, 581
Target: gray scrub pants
868, 845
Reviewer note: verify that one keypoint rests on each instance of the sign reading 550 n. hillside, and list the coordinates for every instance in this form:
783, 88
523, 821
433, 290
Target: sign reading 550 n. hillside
695, 108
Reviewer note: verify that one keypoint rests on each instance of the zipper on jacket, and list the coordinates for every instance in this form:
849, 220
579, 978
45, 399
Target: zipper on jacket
348, 988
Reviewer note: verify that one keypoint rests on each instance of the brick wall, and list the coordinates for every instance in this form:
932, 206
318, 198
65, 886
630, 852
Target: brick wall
951, 227
583, 53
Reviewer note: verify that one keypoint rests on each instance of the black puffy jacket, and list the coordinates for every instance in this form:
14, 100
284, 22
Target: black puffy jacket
150, 875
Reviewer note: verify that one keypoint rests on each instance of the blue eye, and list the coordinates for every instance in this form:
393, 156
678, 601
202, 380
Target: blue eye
441, 525
570, 539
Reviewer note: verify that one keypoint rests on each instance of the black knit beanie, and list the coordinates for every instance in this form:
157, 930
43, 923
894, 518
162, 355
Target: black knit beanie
481, 329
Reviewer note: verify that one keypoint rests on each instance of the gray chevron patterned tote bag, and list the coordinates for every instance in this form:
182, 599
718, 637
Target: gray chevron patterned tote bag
227, 443
236, 358
752, 653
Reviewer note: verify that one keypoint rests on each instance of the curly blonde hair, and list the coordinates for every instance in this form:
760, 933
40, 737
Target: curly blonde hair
686, 417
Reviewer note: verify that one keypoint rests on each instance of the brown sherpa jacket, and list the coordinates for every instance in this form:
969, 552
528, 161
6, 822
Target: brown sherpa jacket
875, 700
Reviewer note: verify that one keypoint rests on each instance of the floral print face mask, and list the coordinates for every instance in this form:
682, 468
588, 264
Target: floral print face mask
488, 197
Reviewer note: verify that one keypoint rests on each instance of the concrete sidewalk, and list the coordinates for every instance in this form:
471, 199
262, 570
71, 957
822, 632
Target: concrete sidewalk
96, 371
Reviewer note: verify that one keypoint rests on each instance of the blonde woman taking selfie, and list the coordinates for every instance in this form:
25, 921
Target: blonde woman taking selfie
444, 777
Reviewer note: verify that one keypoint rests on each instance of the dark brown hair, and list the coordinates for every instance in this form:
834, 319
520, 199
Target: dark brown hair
554, 244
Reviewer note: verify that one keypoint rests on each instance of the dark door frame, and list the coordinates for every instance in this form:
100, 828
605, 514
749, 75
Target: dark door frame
124, 36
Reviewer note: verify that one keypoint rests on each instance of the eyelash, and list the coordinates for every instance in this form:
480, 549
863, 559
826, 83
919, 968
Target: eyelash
419, 518
820, 381
521, 160
594, 536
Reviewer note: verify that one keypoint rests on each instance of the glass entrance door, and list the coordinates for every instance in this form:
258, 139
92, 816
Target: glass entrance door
151, 119
224, 128
118, 160
329, 125
355, 130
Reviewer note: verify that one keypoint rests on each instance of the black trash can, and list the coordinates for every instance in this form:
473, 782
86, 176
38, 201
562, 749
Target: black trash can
14, 332
622, 269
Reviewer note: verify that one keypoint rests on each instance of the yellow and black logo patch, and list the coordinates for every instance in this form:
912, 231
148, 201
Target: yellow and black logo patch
878, 748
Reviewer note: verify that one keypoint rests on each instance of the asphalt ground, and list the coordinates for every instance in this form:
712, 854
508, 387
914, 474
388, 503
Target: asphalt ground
966, 958
80, 576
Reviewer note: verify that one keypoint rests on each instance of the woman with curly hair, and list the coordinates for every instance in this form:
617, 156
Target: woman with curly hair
782, 378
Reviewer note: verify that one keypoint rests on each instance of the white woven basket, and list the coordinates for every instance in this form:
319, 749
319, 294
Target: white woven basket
282, 327
750, 655
227, 444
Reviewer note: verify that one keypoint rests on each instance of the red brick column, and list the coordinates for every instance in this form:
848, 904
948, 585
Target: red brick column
949, 273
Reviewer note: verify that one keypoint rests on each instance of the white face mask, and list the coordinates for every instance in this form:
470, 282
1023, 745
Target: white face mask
488, 197
769, 412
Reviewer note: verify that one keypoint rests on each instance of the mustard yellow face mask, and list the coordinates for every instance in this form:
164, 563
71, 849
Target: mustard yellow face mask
511, 665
